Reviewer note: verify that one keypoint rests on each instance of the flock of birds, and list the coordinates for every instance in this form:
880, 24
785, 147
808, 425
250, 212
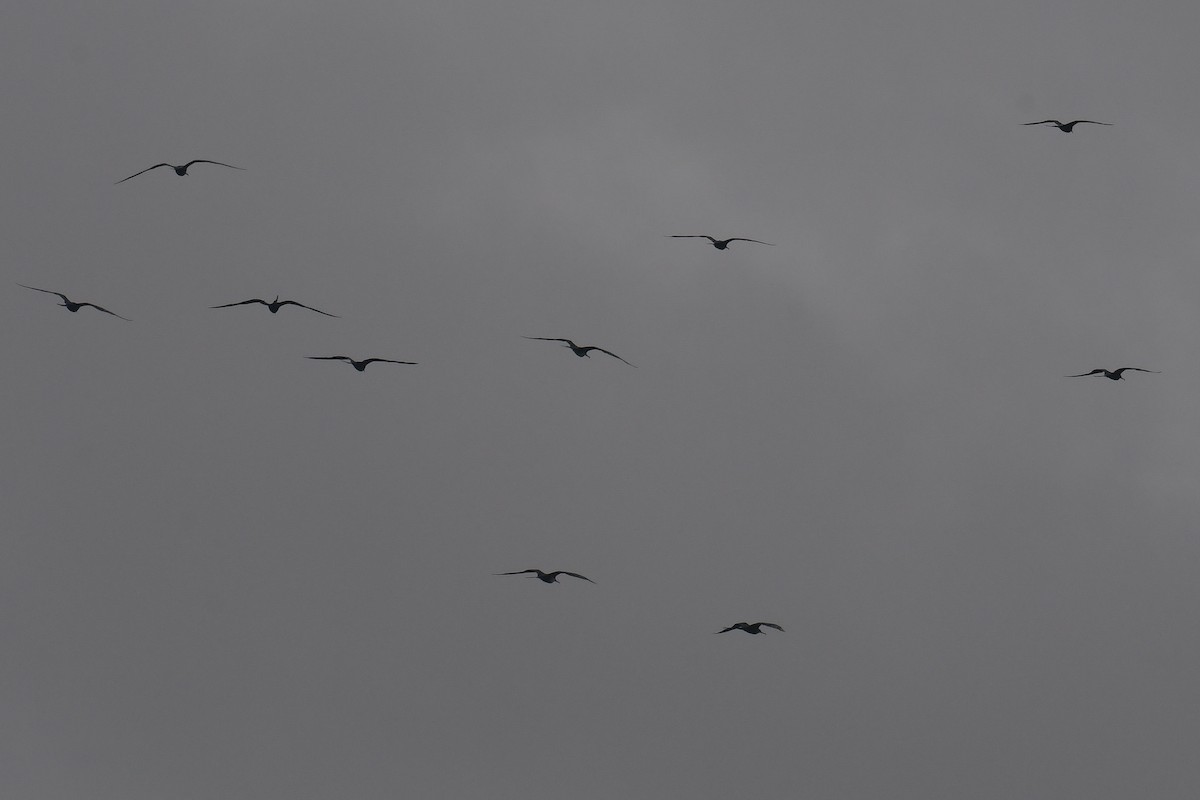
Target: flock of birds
582, 351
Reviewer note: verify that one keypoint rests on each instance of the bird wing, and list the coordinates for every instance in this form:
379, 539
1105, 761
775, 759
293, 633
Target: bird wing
1043, 122
614, 355
549, 339
739, 239
518, 572
206, 161
772, 625
693, 236
310, 308
106, 311
1136, 369
730, 628
386, 360
575, 575
331, 358
242, 303
1085, 374
147, 169
47, 291
1090, 121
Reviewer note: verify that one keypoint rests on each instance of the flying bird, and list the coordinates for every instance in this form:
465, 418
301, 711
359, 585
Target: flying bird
720, 244
754, 628
577, 350
181, 170
548, 577
1115, 375
275, 305
72, 306
361, 366
1066, 127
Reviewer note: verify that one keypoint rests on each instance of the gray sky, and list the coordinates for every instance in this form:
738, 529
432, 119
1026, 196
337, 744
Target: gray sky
231, 572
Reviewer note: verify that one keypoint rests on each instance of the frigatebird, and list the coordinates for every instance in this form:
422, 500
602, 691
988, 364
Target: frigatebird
1115, 375
577, 350
548, 577
72, 306
754, 628
181, 171
1066, 127
361, 366
275, 305
720, 244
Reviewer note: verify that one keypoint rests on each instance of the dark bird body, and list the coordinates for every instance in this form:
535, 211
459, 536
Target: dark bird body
183, 170
754, 628
275, 305
720, 244
1115, 375
1066, 127
582, 352
548, 577
72, 306
361, 366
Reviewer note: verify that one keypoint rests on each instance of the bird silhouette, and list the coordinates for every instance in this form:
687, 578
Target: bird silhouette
1066, 127
577, 350
181, 170
720, 244
548, 577
754, 628
275, 305
361, 366
1115, 375
72, 306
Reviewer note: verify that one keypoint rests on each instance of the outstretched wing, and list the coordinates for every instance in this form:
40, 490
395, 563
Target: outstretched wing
518, 572
206, 161
47, 291
575, 575
386, 361
106, 311
1089, 121
331, 358
692, 236
614, 355
1135, 369
772, 625
1043, 122
1085, 374
549, 339
294, 303
730, 628
242, 303
147, 169
739, 239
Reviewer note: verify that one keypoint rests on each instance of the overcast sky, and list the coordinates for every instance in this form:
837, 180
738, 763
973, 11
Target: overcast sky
228, 571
